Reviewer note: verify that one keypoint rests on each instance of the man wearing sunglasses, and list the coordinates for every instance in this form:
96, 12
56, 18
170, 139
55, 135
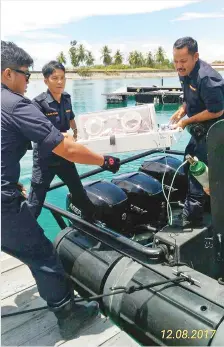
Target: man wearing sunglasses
27, 74
22, 237
55, 103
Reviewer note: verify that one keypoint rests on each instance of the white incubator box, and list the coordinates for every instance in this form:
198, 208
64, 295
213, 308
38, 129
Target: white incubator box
123, 130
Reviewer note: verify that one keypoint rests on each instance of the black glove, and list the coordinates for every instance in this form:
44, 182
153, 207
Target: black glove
111, 163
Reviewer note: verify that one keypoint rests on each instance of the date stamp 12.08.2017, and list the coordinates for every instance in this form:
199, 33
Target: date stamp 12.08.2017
181, 334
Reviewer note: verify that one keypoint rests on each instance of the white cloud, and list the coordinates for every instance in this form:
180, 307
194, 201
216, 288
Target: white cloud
33, 21
43, 35
210, 51
36, 15
197, 15
42, 52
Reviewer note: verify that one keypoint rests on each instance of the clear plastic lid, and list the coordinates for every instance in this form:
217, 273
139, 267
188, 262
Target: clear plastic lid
128, 120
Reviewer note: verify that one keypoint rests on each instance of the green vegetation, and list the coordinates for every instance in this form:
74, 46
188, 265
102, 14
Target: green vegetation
82, 60
89, 58
106, 55
84, 72
73, 52
61, 58
118, 58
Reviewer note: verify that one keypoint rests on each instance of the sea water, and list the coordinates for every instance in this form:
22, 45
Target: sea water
87, 96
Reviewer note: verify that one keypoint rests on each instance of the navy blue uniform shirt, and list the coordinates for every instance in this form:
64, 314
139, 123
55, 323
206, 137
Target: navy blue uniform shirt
59, 114
21, 122
203, 89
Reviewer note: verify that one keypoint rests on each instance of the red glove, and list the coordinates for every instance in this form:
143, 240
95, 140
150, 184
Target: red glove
111, 163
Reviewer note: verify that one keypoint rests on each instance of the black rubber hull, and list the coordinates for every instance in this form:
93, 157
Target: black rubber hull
170, 315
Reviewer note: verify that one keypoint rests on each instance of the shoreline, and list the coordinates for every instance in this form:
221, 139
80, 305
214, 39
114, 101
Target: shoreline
112, 75
123, 74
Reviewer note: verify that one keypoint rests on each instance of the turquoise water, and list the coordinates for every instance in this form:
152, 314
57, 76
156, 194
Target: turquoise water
86, 97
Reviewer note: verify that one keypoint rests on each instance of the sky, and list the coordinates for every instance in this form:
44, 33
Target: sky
44, 28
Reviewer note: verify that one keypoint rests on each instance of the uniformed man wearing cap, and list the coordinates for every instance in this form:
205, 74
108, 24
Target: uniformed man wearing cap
21, 235
55, 103
203, 89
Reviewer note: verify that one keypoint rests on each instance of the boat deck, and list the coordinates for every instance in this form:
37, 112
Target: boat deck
19, 292
120, 94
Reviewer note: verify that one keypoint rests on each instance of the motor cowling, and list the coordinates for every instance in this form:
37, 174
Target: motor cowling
158, 165
145, 195
111, 203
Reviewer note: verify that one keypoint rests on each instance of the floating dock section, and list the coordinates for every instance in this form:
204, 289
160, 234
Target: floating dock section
146, 94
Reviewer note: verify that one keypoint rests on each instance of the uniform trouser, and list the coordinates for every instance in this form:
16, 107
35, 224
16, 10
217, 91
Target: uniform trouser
23, 238
67, 172
194, 203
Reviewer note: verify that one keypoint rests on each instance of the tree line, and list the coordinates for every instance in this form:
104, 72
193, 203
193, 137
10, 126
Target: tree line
218, 62
80, 56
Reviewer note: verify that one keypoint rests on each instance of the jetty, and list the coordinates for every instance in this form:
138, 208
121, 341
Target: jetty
146, 94
39, 328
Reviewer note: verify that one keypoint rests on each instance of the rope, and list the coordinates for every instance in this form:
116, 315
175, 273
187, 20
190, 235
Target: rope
116, 290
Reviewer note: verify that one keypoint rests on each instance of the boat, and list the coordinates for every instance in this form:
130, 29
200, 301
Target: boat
161, 284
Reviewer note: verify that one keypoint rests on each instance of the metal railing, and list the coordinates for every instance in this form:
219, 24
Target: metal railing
123, 161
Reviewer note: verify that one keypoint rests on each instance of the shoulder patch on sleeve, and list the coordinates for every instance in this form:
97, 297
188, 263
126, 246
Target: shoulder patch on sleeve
66, 95
40, 97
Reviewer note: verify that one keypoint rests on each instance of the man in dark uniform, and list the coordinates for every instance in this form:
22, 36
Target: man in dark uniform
203, 89
22, 237
57, 107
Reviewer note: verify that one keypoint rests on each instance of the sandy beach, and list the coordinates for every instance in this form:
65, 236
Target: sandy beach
111, 75
123, 74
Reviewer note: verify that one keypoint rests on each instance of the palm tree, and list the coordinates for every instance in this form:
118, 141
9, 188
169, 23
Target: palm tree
118, 58
89, 58
149, 59
107, 60
81, 53
61, 58
131, 59
160, 55
73, 52
141, 59
136, 59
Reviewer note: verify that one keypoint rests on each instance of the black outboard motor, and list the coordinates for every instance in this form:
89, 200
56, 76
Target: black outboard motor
144, 195
156, 166
110, 201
